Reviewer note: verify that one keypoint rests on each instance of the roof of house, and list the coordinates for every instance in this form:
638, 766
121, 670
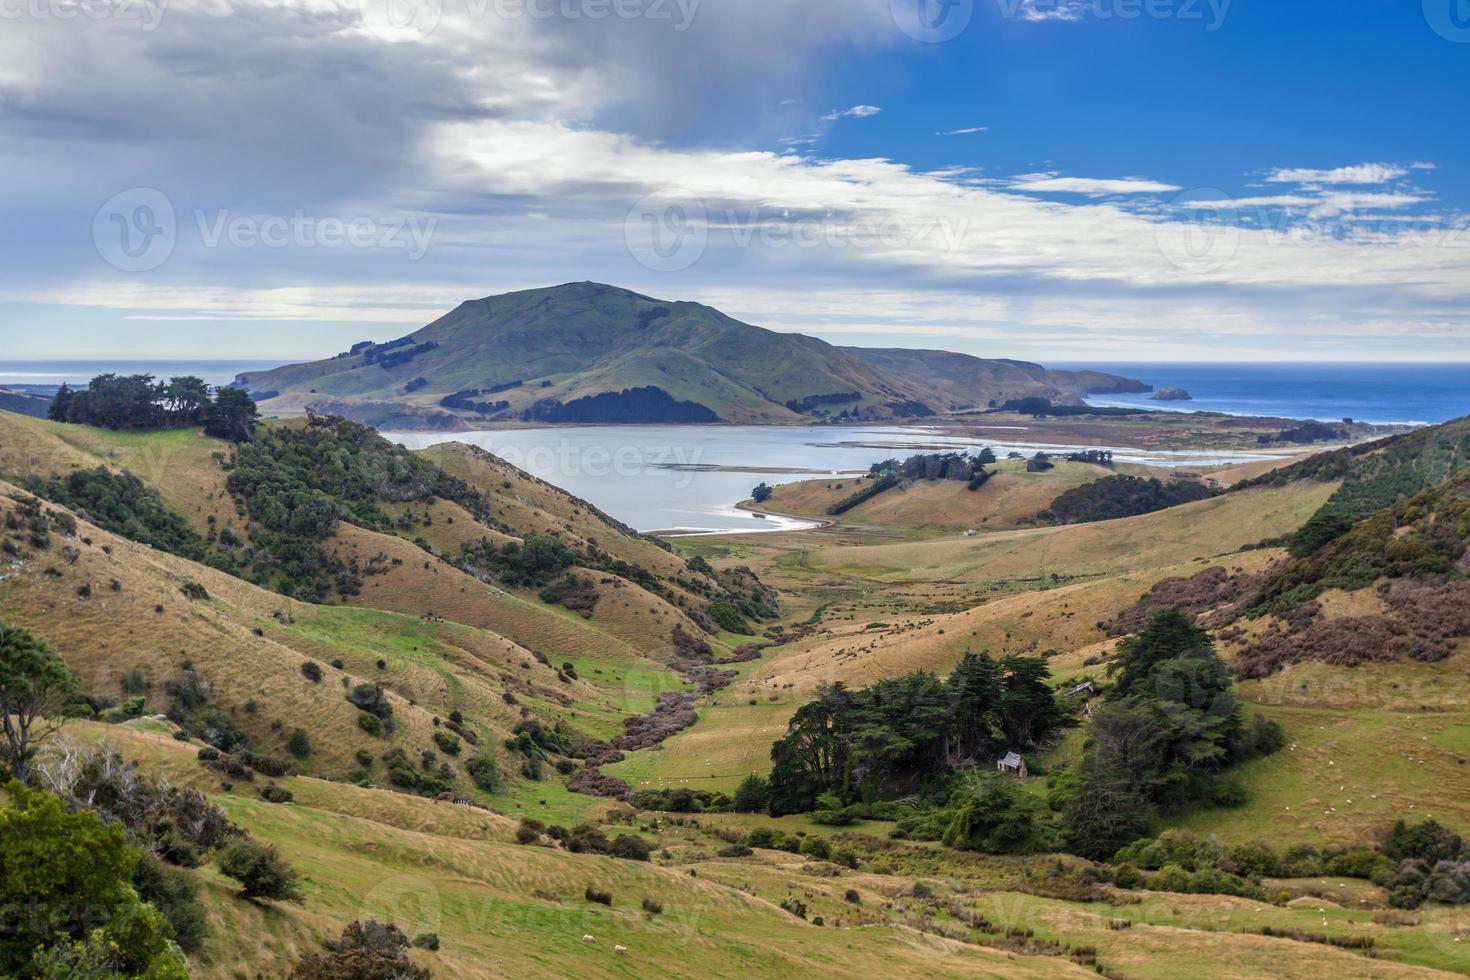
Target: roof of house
1011, 759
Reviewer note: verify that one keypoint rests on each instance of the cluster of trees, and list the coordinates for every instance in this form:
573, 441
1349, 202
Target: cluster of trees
1098, 457
125, 505
1171, 724
465, 400
804, 405
889, 473
1308, 432
648, 404
1123, 496
299, 483
138, 402
894, 737
934, 466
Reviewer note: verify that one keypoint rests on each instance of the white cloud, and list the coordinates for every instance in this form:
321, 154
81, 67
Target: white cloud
855, 112
963, 132
1094, 187
1363, 173
529, 142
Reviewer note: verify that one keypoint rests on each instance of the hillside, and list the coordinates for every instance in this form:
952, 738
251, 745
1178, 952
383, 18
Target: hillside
24, 403
584, 352
481, 614
512, 605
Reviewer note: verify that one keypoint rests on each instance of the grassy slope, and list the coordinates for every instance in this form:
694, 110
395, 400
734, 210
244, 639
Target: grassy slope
505, 910
1008, 500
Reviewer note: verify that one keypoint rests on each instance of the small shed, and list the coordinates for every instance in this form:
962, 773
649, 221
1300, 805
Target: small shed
1012, 763
1086, 687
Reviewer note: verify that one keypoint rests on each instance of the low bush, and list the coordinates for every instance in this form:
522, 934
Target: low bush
272, 793
448, 742
483, 773
260, 870
600, 897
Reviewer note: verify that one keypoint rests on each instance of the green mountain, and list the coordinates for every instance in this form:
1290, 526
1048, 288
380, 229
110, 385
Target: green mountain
546, 354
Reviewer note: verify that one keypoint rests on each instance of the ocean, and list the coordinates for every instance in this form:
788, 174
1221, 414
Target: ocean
1382, 393
80, 372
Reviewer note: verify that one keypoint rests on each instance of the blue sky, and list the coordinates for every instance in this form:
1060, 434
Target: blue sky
1061, 180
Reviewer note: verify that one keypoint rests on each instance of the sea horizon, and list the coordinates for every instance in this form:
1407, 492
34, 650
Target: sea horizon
1399, 393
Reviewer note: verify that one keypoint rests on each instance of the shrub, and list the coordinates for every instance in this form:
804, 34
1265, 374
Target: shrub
370, 698
173, 892
652, 907
448, 742
853, 897
795, 906
272, 793
483, 773
735, 851
761, 837
299, 744
1127, 876
427, 940
266, 765
815, 846
921, 890
312, 671
630, 847
369, 723
261, 871
600, 897
365, 949
1427, 841
526, 833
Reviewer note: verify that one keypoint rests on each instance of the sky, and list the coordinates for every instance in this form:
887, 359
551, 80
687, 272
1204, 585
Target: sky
1055, 180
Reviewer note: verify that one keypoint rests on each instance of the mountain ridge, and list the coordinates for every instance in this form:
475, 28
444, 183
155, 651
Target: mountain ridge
532, 355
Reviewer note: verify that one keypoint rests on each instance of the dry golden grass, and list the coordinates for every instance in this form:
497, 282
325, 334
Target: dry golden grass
180, 463
1011, 498
250, 645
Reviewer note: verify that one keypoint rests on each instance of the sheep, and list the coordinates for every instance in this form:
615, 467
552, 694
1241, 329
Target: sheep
620, 950
588, 939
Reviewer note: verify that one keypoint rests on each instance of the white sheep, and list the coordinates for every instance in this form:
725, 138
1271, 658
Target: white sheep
620, 950
588, 939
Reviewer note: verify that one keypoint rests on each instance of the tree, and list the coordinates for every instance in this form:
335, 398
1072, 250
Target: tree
231, 416
70, 910
261, 871
60, 404
365, 951
184, 399
753, 794
33, 682
1168, 634
761, 493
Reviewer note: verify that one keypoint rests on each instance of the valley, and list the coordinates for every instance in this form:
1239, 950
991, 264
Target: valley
424, 589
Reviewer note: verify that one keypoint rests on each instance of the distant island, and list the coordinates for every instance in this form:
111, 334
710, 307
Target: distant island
1172, 395
592, 353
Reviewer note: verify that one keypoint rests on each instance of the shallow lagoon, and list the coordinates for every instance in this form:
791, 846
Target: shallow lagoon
690, 477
